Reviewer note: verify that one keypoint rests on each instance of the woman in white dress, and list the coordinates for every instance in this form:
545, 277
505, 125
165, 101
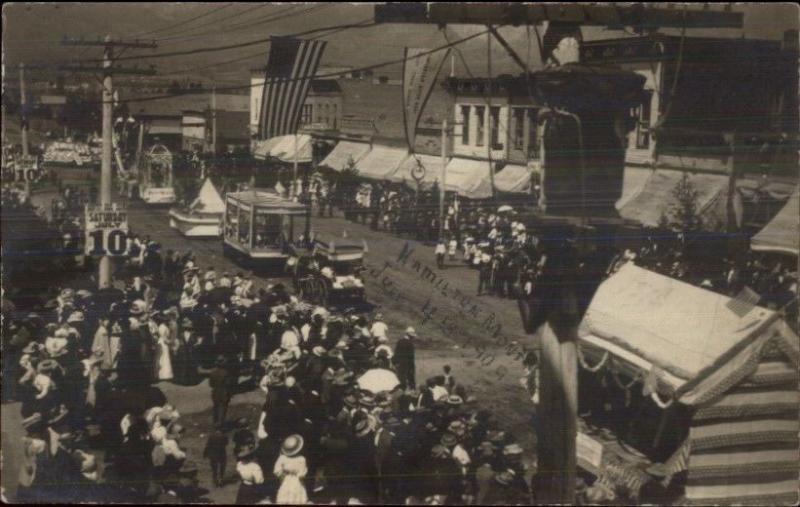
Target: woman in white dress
291, 469
164, 346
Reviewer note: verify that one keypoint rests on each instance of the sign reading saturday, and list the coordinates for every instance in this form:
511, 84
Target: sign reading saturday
106, 230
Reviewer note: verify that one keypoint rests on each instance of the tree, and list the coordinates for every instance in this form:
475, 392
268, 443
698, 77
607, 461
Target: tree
684, 215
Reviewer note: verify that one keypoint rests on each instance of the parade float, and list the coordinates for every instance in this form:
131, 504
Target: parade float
680, 409
203, 217
156, 176
262, 229
69, 153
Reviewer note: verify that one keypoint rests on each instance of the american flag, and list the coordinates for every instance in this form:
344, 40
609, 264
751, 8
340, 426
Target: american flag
290, 66
745, 301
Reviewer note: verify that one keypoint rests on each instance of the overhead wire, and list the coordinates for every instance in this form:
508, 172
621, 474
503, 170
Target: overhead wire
318, 76
170, 27
183, 34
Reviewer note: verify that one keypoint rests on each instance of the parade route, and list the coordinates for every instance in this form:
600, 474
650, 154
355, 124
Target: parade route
465, 352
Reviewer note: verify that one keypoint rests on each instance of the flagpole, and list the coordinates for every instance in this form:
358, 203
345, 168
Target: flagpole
294, 179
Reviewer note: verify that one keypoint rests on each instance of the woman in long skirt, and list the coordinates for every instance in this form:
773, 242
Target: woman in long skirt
291, 469
163, 351
251, 490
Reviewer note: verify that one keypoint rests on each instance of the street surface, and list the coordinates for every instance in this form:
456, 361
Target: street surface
453, 325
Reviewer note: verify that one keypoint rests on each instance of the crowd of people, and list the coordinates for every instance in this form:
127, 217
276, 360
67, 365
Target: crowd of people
343, 418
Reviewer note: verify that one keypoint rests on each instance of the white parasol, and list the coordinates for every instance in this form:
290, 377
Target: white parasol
378, 380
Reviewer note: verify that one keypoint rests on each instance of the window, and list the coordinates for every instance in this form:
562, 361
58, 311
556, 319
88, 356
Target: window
533, 137
334, 117
519, 129
306, 117
494, 126
324, 117
465, 110
479, 120
642, 115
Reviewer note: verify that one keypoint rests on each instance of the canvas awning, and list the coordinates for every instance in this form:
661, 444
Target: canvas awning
343, 152
513, 178
656, 196
680, 328
208, 200
431, 164
782, 233
286, 148
381, 162
468, 178
633, 182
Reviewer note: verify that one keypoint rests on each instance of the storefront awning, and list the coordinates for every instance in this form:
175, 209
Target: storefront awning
381, 162
432, 166
656, 198
342, 153
468, 178
782, 234
633, 182
285, 148
513, 178
679, 328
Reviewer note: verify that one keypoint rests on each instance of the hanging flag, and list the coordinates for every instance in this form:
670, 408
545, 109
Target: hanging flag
419, 76
745, 301
291, 65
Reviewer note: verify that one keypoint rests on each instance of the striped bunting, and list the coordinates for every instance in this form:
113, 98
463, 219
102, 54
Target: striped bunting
291, 65
745, 444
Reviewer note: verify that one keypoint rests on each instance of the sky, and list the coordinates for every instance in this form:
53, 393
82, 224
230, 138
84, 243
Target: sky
32, 33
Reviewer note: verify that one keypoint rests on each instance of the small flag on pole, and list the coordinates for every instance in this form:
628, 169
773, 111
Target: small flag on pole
745, 301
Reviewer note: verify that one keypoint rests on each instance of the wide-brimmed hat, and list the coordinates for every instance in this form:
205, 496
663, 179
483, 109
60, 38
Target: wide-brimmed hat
455, 399
512, 450
292, 445
31, 348
318, 351
486, 448
350, 400
505, 477
76, 317
246, 450
449, 439
440, 451
47, 366
67, 294
342, 377
457, 427
410, 331
362, 427
367, 400
138, 307
220, 360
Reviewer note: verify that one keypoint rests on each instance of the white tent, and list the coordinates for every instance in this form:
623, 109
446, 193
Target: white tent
782, 234
208, 200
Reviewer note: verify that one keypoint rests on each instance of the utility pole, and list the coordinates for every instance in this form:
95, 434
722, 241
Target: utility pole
107, 70
443, 180
23, 104
214, 121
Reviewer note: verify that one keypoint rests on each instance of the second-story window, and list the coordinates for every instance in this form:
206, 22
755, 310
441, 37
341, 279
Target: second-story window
306, 117
465, 111
480, 121
494, 126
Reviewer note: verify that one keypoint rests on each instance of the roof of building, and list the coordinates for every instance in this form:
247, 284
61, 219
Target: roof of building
325, 86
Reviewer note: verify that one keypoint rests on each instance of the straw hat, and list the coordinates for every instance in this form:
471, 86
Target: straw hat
455, 399
506, 477
449, 439
512, 450
318, 351
362, 427
292, 445
439, 451
411, 332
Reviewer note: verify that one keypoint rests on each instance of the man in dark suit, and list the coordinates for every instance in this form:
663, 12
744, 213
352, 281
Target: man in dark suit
404, 359
221, 383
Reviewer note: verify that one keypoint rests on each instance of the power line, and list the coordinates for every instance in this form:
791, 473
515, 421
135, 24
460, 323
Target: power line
318, 76
169, 27
248, 57
239, 45
261, 22
212, 22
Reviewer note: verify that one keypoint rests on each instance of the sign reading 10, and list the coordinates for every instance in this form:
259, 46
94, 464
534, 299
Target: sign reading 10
108, 242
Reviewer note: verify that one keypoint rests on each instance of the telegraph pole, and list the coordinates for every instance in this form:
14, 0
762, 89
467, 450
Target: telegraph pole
23, 101
107, 70
443, 180
214, 120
